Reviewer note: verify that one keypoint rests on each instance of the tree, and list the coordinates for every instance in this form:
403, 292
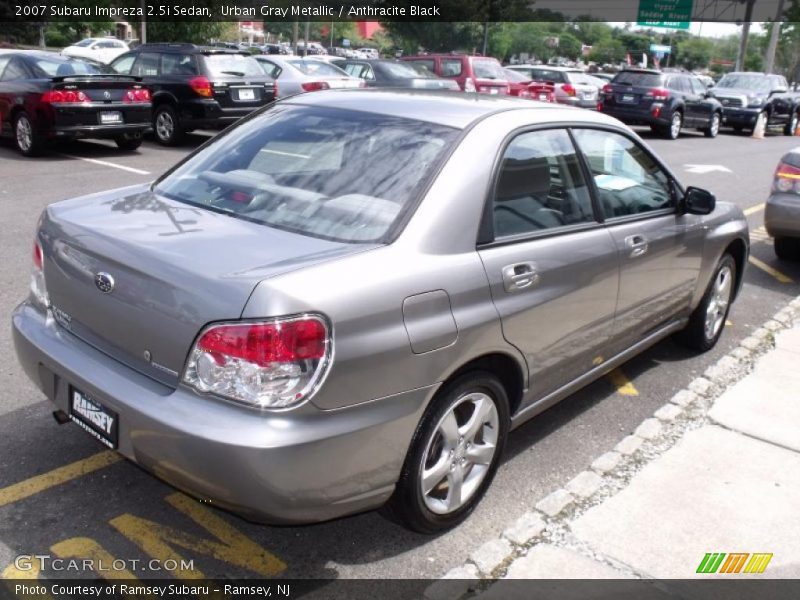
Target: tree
434, 37
191, 32
694, 53
608, 52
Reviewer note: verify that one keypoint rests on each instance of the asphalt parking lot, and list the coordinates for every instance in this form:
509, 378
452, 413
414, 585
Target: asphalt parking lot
62, 494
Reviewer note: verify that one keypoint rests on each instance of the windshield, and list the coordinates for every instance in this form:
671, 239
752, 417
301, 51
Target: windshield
237, 65
316, 67
330, 173
486, 68
59, 67
756, 83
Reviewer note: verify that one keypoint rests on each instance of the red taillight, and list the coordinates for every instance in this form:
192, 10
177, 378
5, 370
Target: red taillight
787, 178
315, 86
136, 95
201, 86
64, 97
608, 89
37, 256
266, 343
274, 89
658, 94
599, 107
656, 111
569, 89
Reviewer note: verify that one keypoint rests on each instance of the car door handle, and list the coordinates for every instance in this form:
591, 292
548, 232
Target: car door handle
519, 276
637, 244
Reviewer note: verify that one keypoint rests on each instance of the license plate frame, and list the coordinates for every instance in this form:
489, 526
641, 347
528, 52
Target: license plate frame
247, 95
93, 417
628, 98
110, 117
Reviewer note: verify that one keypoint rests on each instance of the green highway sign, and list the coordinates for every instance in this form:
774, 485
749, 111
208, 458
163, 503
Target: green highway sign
669, 14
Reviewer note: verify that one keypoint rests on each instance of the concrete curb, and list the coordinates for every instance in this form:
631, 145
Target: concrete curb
611, 472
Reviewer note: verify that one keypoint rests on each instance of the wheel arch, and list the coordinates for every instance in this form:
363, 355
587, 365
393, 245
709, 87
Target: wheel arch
738, 250
503, 366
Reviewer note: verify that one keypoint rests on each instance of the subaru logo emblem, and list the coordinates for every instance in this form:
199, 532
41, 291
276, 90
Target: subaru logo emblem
104, 282
107, 95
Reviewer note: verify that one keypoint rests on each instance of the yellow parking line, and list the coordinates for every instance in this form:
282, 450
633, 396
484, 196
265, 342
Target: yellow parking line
753, 209
40, 483
622, 383
769, 270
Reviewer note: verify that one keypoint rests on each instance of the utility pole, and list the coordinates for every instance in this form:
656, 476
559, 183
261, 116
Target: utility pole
773, 38
748, 16
295, 28
485, 37
144, 24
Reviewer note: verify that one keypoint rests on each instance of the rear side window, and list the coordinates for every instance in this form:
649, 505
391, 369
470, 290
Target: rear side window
540, 185
629, 181
451, 67
360, 70
48, 67
324, 172
638, 79
15, 70
270, 68
178, 64
146, 65
124, 64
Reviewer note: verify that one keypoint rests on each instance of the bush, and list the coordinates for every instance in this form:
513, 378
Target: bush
57, 39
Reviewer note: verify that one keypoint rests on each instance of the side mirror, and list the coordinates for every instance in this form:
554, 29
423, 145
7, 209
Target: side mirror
697, 201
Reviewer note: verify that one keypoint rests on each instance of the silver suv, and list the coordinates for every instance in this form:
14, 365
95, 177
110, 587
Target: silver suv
352, 297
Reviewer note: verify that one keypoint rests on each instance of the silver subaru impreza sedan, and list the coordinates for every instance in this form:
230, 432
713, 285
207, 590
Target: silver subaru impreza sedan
349, 299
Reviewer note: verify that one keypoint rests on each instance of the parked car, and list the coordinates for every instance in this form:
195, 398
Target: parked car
100, 49
370, 53
667, 102
706, 80
571, 87
333, 60
296, 75
371, 324
782, 211
746, 97
46, 97
482, 74
197, 87
395, 74
522, 87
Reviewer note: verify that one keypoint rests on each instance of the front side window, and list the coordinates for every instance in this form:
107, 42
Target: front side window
324, 172
146, 65
540, 185
629, 181
429, 64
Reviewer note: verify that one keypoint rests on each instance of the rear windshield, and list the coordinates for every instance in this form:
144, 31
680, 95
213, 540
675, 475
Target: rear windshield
757, 83
638, 79
236, 65
486, 68
548, 75
58, 67
316, 67
330, 173
84, 43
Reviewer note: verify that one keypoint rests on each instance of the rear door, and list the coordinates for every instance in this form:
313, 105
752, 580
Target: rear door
552, 267
660, 250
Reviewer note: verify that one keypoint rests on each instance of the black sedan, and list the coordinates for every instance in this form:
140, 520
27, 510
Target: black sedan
46, 97
395, 74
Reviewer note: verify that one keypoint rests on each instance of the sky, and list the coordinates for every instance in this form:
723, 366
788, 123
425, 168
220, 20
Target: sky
709, 29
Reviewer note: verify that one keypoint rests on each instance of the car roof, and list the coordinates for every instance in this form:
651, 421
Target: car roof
44, 54
443, 107
647, 71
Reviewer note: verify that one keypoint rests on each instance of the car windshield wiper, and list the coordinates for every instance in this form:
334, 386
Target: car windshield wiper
237, 73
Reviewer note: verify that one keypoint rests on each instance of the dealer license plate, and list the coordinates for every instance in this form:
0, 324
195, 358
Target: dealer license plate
93, 417
247, 94
628, 98
110, 117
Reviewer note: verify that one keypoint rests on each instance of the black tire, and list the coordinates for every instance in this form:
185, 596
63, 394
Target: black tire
128, 141
787, 248
713, 127
791, 126
167, 126
696, 335
28, 141
407, 505
673, 131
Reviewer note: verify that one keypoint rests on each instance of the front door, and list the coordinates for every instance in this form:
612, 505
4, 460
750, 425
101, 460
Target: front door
552, 266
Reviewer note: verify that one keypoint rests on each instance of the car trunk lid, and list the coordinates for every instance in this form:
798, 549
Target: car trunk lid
172, 269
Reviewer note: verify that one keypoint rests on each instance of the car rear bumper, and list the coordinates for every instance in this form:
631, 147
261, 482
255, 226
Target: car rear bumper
637, 116
85, 121
100, 131
296, 466
782, 215
209, 113
580, 103
740, 117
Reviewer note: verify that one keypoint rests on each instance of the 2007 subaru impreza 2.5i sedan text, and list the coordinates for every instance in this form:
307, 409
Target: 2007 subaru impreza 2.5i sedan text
349, 299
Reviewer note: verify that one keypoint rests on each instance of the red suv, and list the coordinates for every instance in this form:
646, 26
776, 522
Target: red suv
482, 74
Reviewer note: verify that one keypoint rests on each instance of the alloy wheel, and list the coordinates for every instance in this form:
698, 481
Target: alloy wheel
24, 133
459, 453
714, 127
718, 302
165, 126
675, 125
